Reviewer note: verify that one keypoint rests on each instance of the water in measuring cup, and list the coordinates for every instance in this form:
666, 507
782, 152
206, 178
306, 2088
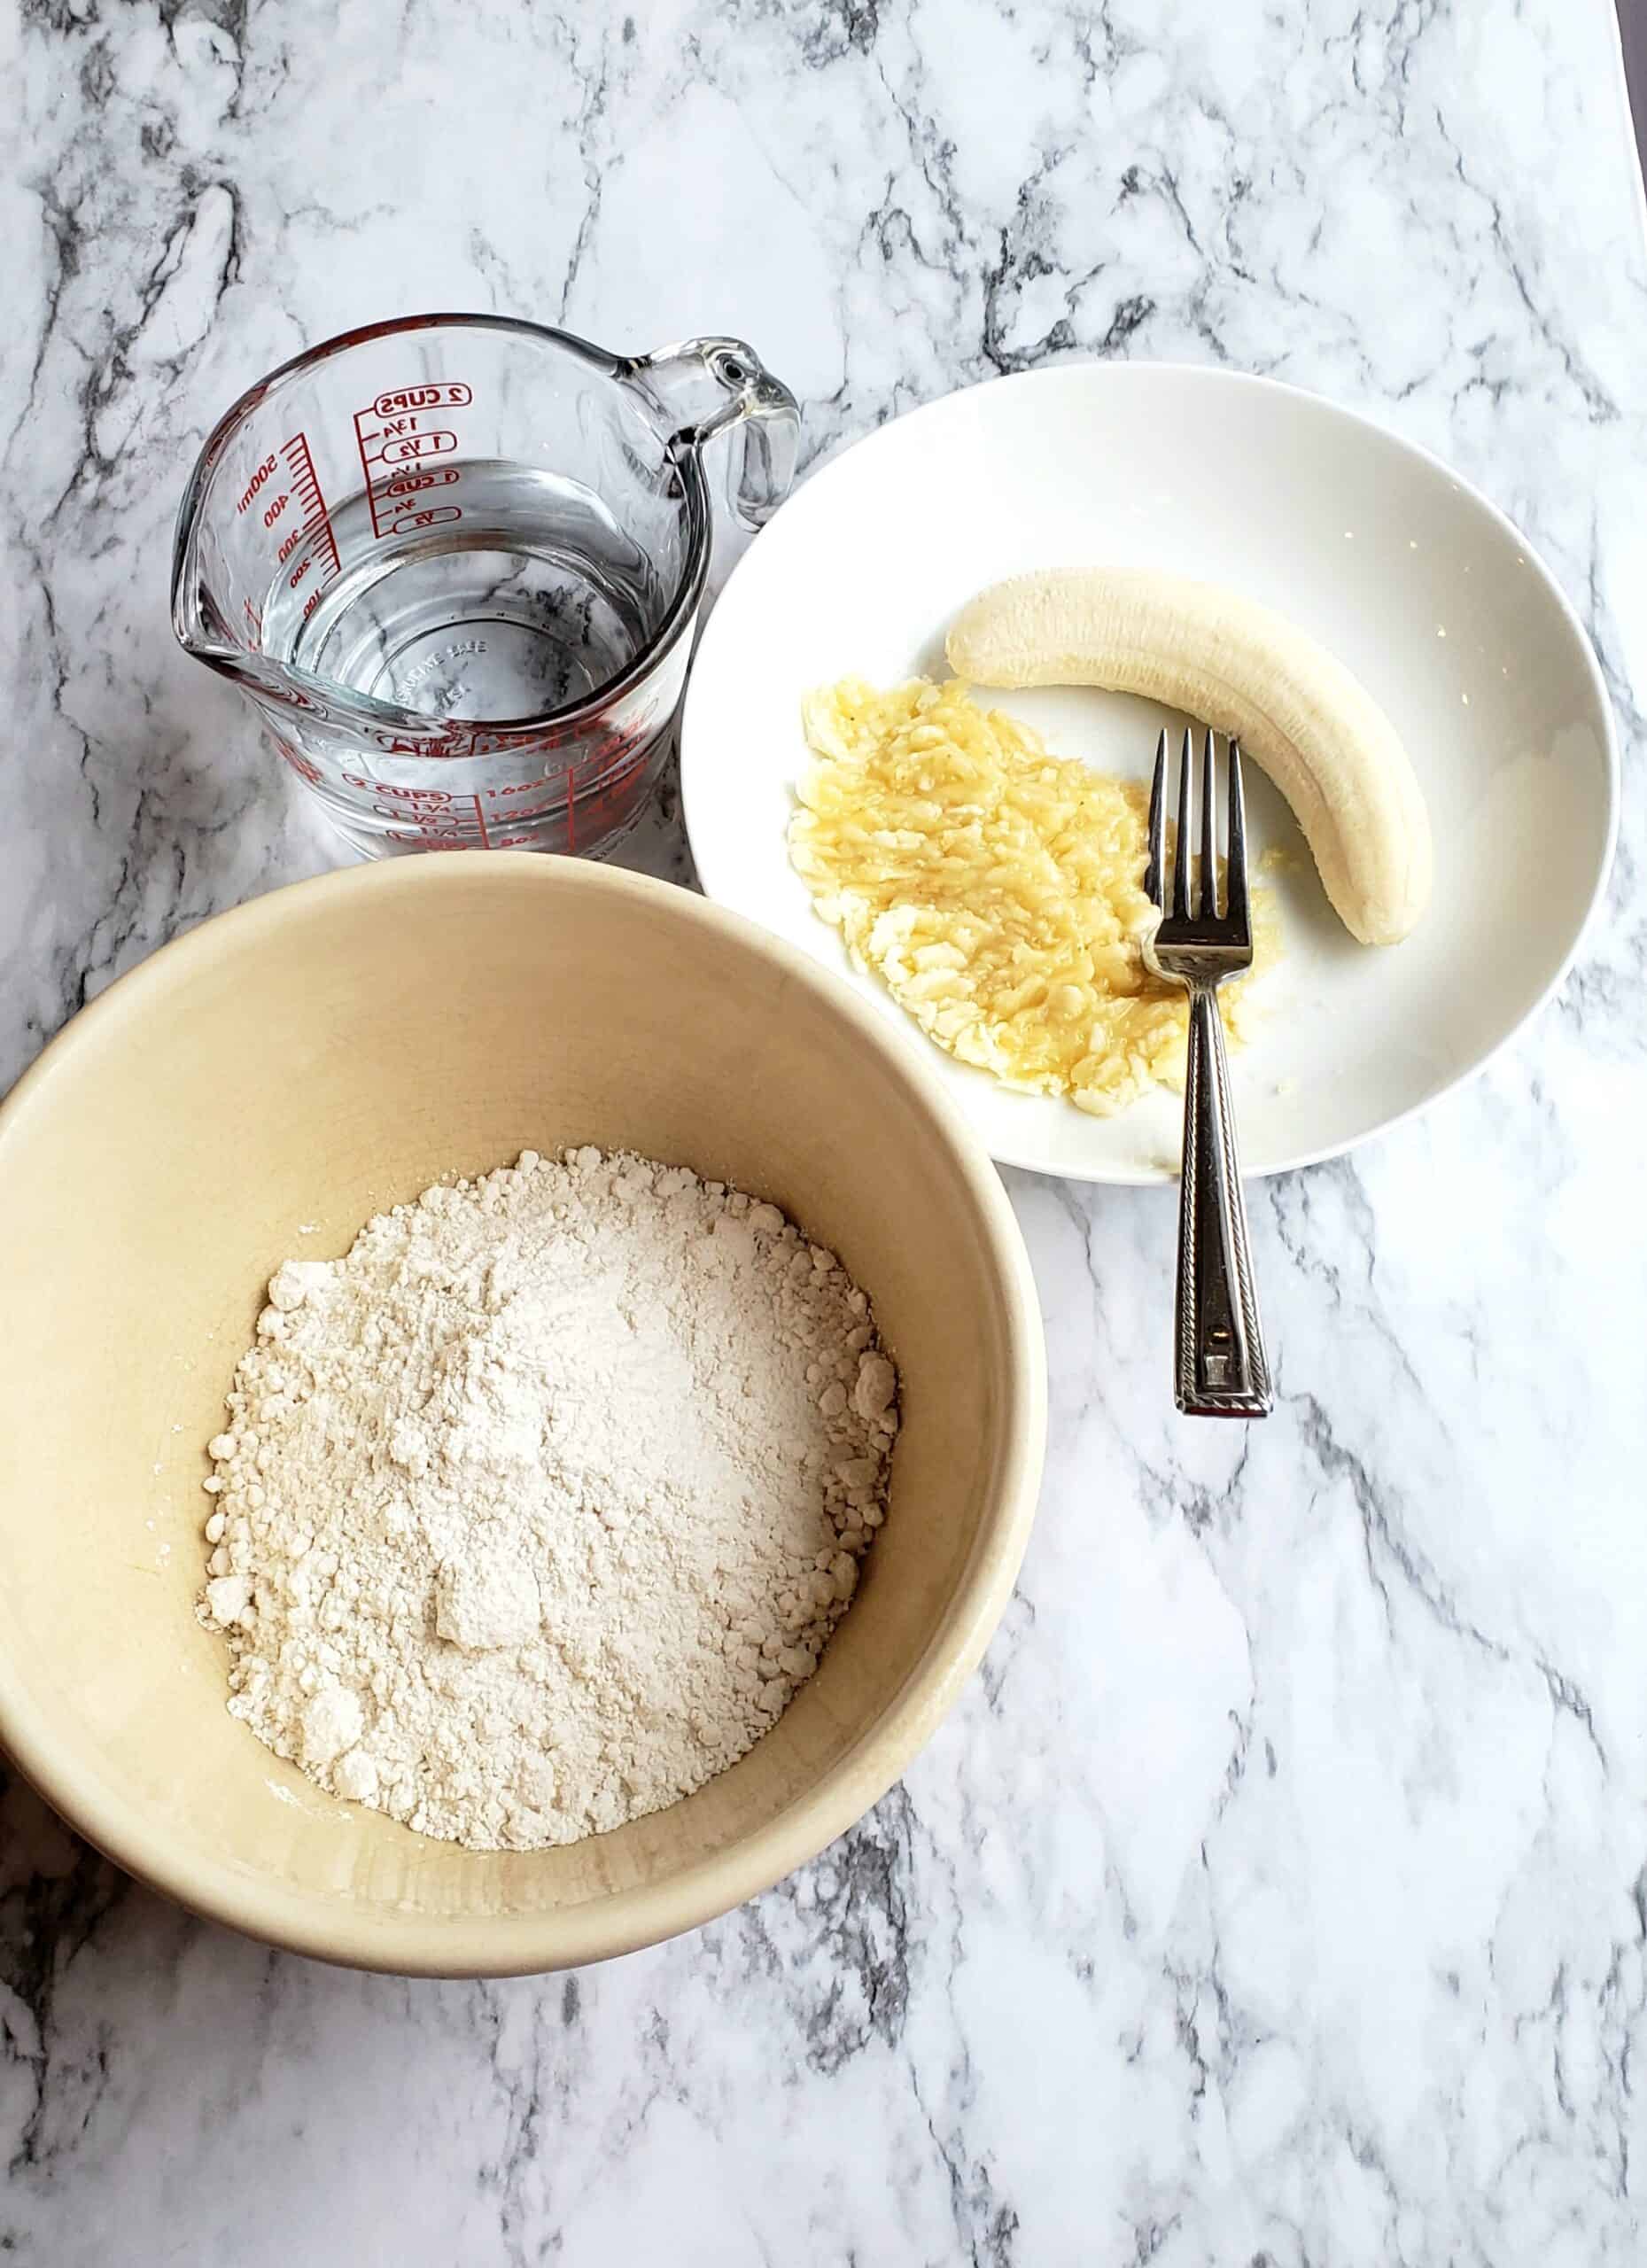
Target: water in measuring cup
530, 604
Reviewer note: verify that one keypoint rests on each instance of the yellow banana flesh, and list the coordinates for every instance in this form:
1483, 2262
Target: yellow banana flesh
1204, 649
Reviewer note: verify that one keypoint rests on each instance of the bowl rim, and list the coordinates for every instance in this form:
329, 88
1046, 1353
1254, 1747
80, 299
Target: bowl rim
1087, 369
363, 1936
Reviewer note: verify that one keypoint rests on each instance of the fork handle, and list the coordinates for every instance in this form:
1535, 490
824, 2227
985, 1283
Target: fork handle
1222, 1370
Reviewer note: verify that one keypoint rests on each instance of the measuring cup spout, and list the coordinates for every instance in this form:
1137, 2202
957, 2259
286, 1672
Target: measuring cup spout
199, 632
202, 630
719, 385
192, 625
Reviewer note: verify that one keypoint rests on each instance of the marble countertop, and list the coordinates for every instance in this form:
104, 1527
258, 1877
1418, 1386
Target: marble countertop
1279, 1892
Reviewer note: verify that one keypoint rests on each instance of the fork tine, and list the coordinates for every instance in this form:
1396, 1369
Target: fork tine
1157, 821
1209, 863
1235, 883
1181, 862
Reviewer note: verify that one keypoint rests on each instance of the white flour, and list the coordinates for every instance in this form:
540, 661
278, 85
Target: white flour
533, 1511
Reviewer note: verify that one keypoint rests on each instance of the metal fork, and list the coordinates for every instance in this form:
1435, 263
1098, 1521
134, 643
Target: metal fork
1222, 1369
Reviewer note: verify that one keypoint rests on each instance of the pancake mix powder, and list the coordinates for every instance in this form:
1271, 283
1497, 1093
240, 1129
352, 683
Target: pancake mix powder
533, 1511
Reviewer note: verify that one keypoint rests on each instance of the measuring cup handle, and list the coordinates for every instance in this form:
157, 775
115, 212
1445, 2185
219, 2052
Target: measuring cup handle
715, 384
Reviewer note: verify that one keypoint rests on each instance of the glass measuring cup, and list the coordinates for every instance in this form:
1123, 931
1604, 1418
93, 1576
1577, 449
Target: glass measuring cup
454, 563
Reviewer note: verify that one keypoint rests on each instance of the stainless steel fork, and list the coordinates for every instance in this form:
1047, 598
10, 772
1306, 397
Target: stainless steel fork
1222, 1370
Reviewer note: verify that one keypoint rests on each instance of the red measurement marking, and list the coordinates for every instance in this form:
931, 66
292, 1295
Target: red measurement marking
447, 396
403, 448
417, 796
396, 437
409, 522
413, 483
318, 548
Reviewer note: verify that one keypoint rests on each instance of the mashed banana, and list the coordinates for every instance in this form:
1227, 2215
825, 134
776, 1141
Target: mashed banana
998, 891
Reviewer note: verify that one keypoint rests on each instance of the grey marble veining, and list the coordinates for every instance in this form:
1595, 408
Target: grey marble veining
1279, 1891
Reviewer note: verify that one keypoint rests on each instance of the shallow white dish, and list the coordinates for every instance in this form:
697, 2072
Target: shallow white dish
1412, 579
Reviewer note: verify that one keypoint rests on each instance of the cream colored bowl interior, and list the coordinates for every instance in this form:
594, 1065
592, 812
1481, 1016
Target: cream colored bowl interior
259, 1090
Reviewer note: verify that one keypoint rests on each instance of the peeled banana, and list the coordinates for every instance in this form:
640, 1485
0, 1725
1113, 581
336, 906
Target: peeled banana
1245, 670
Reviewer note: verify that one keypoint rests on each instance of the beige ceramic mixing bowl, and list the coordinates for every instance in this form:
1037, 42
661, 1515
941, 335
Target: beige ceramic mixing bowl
258, 1090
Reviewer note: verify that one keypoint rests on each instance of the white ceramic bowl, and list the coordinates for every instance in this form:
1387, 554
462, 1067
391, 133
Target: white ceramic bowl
260, 1088
1417, 582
